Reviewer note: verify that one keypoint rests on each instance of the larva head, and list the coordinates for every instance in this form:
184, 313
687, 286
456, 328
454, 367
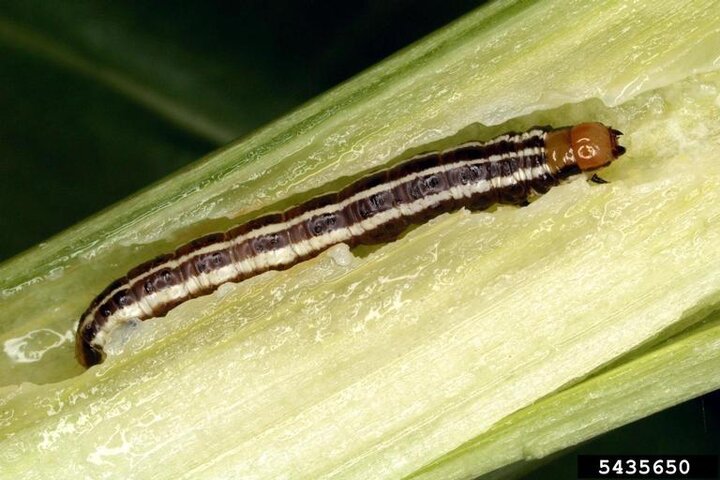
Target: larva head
584, 147
594, 145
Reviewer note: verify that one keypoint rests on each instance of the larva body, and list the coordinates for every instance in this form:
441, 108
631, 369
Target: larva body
508, 169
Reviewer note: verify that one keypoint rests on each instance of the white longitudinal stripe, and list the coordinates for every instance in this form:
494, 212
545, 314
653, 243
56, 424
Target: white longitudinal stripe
291, 252
251, 264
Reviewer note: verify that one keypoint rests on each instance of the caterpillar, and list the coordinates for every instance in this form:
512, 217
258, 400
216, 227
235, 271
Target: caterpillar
510, 169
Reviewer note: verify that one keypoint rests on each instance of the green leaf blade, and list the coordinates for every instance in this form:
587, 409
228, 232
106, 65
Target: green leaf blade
379, 366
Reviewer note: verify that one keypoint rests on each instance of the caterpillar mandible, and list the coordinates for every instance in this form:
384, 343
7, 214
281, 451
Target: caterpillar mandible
509, 169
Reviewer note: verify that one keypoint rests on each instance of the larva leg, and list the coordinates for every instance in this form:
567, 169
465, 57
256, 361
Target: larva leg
598, 179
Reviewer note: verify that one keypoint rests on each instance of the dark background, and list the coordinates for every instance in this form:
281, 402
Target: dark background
89, 99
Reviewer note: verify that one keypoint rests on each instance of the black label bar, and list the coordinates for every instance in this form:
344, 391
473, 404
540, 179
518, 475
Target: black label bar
647, 466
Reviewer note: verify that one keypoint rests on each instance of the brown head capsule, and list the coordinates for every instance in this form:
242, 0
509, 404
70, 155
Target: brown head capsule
584, 147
